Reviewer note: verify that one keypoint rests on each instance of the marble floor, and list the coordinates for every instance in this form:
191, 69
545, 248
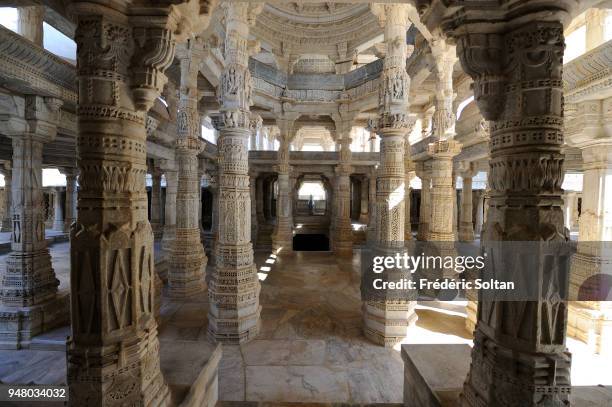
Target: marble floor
310, 348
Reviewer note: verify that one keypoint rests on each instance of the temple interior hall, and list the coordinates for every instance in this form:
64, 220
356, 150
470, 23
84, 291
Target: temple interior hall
189, 190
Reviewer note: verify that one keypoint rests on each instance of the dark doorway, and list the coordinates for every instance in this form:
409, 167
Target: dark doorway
310, 243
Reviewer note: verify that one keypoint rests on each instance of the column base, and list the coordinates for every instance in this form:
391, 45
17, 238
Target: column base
505, 377
234, 331
111, 375
591, 326
343, 249
423, 232
387, 323
282, 242
466, 233
158, 230
234, 310
18, 325
186, 265
58, 226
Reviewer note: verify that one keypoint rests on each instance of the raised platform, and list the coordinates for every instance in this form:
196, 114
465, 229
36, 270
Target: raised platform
434, 376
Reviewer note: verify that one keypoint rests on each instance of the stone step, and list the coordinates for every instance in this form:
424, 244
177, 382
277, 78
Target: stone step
52, 340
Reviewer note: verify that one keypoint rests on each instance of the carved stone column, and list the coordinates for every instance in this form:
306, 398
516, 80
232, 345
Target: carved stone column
29, 304
371, 232
201, 172
187, 259
409, 171
7, 221
386, 317
113, 352
234, 285
156, 205
466, 227
253, 192
260, 200
169, 232
425, 209
519, 356
442, 191
71, 198
591, 321
342, 240
282, 238
214, 219
479, 219
58, 212
30, 23
363, 213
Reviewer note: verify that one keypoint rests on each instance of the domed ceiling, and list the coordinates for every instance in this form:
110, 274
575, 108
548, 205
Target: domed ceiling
333, 29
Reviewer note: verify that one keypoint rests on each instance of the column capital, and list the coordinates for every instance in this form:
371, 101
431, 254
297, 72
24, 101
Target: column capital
444, 149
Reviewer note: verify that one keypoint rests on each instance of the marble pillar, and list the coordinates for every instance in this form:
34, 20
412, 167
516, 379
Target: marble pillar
29, 300
7, 222
425, 209
466, 227
254, 222
342, 240
387, 317
30, 23
479, 219
113, 350
365, 185
443, 199
156, 204
409, 174
371, 231
169, 231
58, 211
201, 172
282, 238
71, 198
519, 356
591, 321
234, 286
187, 260
260, 201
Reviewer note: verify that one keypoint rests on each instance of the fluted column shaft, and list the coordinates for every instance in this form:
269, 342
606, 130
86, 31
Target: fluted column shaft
188, 260
234, 285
